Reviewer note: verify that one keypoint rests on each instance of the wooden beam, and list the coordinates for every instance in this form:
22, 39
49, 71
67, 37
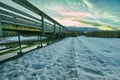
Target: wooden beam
18, 17
7, 19
17, 11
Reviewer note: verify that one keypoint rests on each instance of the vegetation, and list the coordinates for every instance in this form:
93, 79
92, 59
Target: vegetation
106, 34
72, 34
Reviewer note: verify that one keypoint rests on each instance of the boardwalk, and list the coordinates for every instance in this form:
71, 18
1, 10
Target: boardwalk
19, 24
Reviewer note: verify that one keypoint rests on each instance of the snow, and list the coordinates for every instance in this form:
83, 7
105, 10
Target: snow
6, 56
15, 53
22, 38
74, 58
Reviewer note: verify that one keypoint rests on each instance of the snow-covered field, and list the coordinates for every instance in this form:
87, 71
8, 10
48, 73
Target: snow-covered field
81, 58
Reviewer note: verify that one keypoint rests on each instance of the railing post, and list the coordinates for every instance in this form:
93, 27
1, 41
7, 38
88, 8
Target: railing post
63, 32
38, 39
19, 42
54, 33
1, 33
60, 32
43, 29
41, 40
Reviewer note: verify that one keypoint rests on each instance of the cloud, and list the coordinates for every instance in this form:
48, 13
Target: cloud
100, 26
68, 22
68, 17
92, 10
77, 14
90, 23
70, 13
92, 13
107, 27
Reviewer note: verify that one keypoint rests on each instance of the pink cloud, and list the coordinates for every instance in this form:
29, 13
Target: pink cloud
68, 17
68, 22
70, 13
77, 14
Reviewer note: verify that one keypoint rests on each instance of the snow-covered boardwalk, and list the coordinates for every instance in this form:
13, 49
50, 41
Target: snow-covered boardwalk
79, 58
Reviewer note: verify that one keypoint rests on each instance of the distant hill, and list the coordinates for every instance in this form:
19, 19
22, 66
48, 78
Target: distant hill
82, 29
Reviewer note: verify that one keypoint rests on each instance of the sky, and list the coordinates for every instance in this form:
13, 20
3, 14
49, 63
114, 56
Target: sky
102, 14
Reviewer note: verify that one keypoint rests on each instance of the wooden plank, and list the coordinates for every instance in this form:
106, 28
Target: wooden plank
17, 16
15, 21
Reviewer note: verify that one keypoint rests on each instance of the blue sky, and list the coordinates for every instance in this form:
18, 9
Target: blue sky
102, 14
83, 13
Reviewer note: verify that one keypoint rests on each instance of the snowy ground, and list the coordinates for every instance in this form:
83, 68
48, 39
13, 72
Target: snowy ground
15, 53
80, 58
